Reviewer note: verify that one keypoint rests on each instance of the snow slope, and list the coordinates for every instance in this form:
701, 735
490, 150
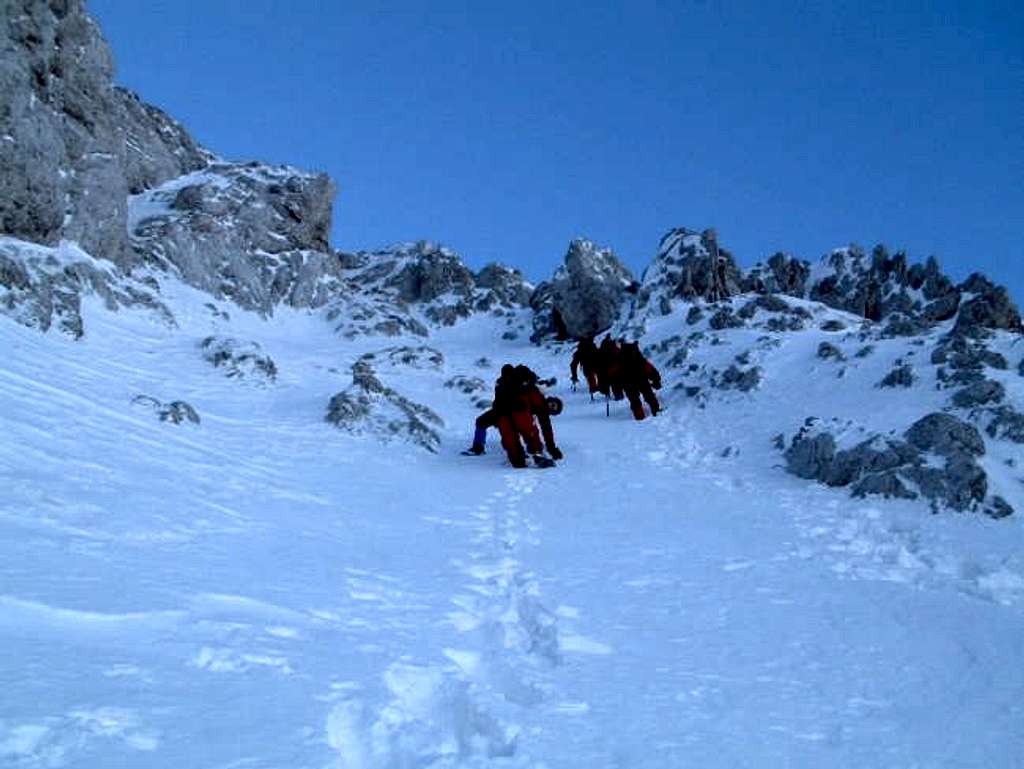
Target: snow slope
265, 591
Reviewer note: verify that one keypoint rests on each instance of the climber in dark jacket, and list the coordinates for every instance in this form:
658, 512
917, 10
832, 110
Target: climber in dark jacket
489, 418
638, 378
517, 402
609, 368
586, 357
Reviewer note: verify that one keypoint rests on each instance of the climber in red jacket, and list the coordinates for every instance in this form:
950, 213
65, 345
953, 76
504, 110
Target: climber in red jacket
517, 402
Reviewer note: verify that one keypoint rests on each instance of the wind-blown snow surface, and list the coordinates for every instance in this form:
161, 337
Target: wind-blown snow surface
263, 590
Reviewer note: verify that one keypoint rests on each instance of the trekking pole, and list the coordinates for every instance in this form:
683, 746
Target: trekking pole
607, 405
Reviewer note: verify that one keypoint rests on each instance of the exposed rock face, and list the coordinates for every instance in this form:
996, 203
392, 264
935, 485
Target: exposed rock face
871, 287
990, 308
239, 359
434, 272
402, 289
946, 435
1007, 424
587, 291
783, 274
891, 467
251, 233
157, 147
61, 147
507, 284
71, 145
688, 266
369, 405
42, 287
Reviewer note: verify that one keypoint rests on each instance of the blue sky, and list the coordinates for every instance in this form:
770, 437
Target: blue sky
505, 129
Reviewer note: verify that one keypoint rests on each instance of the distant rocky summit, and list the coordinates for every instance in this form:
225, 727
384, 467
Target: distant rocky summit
587, 291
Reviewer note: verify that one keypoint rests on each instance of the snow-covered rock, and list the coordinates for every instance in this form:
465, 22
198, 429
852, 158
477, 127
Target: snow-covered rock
43, 286
688, 266
174, 412
409, 287
251, 233
239, 359
883, 464
370, 406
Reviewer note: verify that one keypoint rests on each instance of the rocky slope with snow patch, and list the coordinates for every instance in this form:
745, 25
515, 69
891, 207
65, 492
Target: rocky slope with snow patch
252, 233
411, 287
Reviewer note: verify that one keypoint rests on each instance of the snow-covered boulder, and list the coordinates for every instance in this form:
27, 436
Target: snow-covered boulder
175, 412
370, 406
936, 459
239, 359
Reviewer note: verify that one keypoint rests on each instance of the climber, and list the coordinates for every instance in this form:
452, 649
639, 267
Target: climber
517, 400
639, 376
609, 370
586, 357
489, 418
539, 410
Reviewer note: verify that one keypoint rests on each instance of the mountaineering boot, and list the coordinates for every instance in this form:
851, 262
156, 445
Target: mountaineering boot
479, 438
539, 460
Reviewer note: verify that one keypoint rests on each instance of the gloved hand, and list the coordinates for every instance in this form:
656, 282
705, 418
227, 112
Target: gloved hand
555, 452
656, 384
575, 380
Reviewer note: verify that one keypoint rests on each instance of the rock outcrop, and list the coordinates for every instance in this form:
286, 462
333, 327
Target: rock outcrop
43, 287
370, 406
908, 298
251, 233
72, 146
405, 288
886, 465
688, 266
585, 295
239, 359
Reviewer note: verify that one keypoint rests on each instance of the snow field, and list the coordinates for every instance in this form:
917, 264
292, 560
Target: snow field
263, 590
